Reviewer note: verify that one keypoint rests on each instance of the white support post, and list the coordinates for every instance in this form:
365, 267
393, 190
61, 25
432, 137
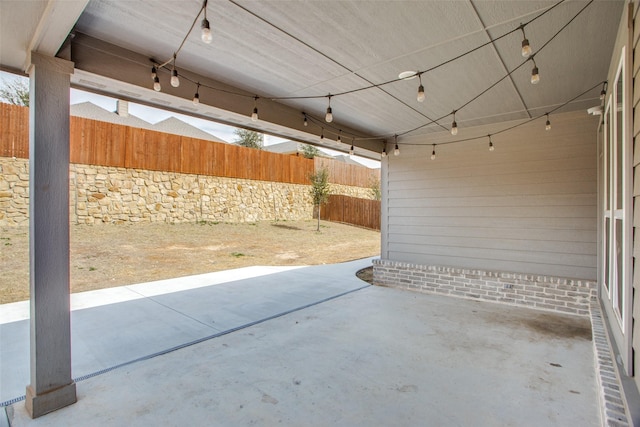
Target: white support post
52, 386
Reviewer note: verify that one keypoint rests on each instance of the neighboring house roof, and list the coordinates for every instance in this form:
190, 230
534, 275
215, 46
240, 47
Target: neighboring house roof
91, 111
178, 127
293, 148
172, 125
286, 147
346, 159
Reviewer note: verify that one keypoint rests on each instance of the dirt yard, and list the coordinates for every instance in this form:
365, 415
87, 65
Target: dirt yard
105, 256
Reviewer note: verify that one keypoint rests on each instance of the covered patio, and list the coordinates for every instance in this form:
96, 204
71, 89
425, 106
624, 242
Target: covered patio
506, 134
311, 346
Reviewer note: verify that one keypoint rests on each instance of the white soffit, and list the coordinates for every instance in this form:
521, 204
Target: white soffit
290, 48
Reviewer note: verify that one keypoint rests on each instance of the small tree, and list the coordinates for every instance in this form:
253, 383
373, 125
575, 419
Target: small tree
249, 138
15, 92
320, 189
374, 186
309, 151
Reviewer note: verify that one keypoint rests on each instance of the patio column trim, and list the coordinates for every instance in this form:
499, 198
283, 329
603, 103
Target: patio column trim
52, 386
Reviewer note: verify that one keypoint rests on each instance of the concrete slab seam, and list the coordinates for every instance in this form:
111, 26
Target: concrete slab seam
4, 418
172, 309
197, 341
607, 374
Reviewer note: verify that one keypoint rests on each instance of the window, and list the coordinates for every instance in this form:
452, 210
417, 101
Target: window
615, 269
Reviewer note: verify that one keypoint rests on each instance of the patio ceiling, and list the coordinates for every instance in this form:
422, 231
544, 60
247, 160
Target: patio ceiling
274, 49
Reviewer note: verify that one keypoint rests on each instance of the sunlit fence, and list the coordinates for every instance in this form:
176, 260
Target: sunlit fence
100, 143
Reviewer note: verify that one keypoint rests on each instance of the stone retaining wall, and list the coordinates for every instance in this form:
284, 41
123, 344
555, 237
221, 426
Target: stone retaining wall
101, 194
534, 291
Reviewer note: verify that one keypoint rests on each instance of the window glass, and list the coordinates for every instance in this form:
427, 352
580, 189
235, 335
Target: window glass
619, 102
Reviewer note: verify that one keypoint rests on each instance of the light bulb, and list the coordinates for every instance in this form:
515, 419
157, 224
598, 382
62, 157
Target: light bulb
396, 151
351, 151
420, 93
384, 152
329, 116
196, 99
535, 77
547, 125
156, 84
454, 128
306, 123
433, 154
154, 73
322, 136
254, 115
339, 140
491, 147
526, 49
603, 93
206, 31
175, 81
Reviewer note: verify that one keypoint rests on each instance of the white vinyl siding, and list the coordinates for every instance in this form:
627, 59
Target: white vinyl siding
530, 206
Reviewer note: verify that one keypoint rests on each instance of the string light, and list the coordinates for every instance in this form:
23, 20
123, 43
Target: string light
339, 140
196, 97
526, 49
329, 116
507, 129
351, 150
384, 152
547, 125
454, 125
254, 115
175, 81
396, 150
433, 153
206, 29
154, 73
491, 147
305, 122
420, 96
322, 134
603, 92
535, 76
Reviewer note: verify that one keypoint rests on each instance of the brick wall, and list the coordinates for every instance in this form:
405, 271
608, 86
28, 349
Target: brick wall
534, 291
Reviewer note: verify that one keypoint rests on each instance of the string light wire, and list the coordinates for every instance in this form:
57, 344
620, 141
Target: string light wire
521, 27
475, 138
435, 67
502, 78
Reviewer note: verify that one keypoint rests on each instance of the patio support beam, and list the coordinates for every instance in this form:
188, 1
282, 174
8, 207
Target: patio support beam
52, 386
131, 69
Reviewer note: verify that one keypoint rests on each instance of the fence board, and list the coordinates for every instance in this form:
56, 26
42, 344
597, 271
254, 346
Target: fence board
351, 210
14, 131
115, 140
82, 138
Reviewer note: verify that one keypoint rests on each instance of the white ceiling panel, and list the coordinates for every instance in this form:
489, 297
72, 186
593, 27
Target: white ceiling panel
309, 49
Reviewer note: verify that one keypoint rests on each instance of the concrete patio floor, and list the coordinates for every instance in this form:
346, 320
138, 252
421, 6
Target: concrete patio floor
225, 354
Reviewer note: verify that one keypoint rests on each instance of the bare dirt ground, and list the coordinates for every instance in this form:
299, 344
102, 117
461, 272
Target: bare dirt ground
104, 256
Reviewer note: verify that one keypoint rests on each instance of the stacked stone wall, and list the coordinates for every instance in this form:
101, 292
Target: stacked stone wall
14, 191
101, 194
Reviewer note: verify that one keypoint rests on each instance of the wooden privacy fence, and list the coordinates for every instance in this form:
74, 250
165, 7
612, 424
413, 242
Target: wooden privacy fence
351, 210
100, 143
351, 175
